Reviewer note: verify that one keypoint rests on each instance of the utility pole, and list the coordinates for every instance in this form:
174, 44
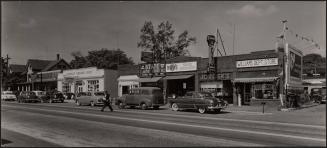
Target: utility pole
283, 93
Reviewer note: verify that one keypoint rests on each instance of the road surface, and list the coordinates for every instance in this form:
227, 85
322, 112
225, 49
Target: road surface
59, 124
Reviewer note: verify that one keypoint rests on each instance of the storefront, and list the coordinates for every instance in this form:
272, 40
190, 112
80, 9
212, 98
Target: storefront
180, 78
88, 79
126, 83
256, 78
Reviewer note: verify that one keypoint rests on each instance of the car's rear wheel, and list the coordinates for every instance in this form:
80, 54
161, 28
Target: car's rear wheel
92, 103
121, 105
174, 107
143, 106
202, 110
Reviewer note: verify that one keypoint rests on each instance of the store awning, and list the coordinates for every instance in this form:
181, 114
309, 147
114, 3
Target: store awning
263, 79
153, 79
128, 78
177, 77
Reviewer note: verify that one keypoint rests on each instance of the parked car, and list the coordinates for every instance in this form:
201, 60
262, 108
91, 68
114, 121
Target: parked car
39, 94
200, 101
8, 96
318, 95
53, 96
28, 96
90, 98
143, 97
69, 95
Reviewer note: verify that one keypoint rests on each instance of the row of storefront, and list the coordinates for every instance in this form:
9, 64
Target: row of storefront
241, 79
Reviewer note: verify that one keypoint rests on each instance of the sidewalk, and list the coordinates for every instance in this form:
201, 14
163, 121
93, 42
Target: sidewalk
247, 108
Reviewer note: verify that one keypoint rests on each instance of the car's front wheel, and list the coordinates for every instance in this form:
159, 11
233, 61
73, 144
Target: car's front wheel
202, 110
174, 107
143, 106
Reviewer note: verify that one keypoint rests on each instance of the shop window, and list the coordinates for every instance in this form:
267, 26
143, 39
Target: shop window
263, 91
93, 85
65, 87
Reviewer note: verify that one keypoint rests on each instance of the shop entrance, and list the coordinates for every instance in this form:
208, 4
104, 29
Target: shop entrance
179, 86
244, 90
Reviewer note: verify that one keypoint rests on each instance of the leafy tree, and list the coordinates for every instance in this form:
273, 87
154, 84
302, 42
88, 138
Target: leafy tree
162, 42
314, 62
103, 58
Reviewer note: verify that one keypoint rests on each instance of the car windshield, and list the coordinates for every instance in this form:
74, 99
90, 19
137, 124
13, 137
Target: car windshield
99, 93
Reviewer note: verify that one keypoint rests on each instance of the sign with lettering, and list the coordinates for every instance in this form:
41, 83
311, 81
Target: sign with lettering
83, 72
178, 67
257, 63
212, 77
156, 69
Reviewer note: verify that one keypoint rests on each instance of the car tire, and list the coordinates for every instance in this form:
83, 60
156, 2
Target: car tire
174, 107
121, 105
78, 103
143, 106
92, 103
202, 110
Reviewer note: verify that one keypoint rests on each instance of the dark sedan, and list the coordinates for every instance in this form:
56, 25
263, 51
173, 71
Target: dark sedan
53, 96
200, 101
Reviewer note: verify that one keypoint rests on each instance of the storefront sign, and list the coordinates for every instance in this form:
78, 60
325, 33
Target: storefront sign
211, 77
257, 63
152, 70
83, 72
178, 67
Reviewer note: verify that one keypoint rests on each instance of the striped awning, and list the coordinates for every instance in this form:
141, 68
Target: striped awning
177, 77
246, 80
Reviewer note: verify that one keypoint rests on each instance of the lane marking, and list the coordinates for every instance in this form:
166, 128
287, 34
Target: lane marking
189, 125
198, 117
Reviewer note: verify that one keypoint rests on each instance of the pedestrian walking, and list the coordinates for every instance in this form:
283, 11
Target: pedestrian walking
107, 101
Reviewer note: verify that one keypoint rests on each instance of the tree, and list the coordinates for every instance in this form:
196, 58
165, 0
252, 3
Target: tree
314, 63
103, 58
162, 42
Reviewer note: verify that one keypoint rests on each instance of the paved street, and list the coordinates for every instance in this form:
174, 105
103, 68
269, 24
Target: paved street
65, 124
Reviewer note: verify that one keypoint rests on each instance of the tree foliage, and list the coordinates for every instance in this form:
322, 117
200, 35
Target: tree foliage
162, 40
314, 63
103, 58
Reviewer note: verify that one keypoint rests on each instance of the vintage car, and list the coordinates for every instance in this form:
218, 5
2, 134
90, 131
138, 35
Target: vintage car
143, 97
318, 95
90, 98
52, 96
8, 96
28, 96
200, 101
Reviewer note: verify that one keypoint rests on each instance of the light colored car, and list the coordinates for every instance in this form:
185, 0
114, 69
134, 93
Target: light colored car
90, 98
8, 96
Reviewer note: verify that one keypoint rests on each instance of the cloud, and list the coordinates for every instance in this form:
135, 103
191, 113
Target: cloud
252, 11
29, 23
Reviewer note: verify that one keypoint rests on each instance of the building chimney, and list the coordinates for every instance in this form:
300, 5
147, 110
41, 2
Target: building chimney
58, 57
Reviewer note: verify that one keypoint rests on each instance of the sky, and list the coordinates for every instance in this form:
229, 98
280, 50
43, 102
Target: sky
41, 29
